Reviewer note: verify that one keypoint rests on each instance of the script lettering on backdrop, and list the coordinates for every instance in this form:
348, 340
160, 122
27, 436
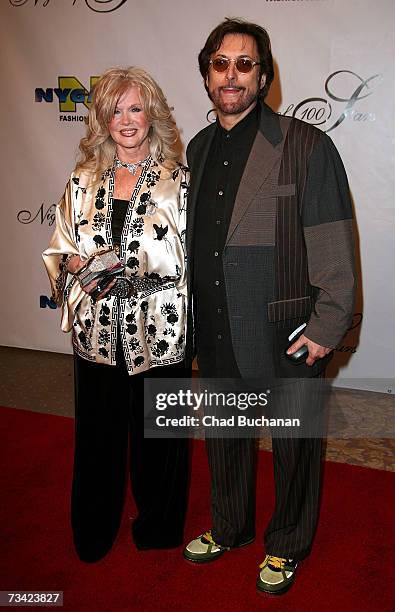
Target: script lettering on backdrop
43, 215
318, 111
99, 6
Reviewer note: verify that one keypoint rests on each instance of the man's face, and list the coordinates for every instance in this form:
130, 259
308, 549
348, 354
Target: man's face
232, 92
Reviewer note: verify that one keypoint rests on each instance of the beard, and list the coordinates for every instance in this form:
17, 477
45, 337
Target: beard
236, 107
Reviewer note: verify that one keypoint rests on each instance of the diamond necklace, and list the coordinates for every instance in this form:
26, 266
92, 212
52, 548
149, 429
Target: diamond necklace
132, 167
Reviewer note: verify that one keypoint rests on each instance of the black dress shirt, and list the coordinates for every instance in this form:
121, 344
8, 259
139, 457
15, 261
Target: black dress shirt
224, 168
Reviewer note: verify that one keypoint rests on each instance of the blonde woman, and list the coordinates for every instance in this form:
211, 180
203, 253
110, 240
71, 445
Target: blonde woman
127, 195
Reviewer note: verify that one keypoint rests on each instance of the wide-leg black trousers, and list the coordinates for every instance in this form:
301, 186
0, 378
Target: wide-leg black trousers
109, 411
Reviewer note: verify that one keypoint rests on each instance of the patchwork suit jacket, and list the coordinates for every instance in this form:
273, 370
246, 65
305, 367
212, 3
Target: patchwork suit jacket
289, 254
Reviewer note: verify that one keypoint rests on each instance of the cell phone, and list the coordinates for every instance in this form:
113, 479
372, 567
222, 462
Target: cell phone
301, 354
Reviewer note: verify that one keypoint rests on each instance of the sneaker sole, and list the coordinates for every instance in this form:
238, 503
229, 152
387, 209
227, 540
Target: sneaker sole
280, 591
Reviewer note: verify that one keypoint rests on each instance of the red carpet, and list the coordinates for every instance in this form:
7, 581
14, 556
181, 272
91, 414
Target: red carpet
350, 567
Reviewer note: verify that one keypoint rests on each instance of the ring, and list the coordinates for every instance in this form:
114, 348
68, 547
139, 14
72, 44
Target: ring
99, 288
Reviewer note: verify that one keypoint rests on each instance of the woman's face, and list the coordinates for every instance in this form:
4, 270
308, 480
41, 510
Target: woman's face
129, 127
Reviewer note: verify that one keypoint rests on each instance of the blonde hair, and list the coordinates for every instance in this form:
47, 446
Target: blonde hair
97, 148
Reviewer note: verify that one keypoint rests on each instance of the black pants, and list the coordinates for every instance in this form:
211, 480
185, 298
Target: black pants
108, 411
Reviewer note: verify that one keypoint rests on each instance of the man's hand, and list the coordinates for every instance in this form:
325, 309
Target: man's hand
316, 351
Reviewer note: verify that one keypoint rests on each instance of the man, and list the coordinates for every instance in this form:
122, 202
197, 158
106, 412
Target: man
269, 240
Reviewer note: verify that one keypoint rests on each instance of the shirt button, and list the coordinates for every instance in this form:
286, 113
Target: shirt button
226, 163
217, 282
219, 310
227, 135
219, 336
216, 253
218, 222
220, 193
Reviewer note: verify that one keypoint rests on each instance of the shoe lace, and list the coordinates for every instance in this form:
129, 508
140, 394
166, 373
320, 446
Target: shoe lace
276, 562
207, 535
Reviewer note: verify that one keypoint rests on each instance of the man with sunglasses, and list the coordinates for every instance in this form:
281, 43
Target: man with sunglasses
270, 247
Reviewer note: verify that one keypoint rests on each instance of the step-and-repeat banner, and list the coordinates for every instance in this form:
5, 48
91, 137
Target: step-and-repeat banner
334, 68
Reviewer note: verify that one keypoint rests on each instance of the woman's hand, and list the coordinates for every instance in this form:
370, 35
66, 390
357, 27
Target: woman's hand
75, 264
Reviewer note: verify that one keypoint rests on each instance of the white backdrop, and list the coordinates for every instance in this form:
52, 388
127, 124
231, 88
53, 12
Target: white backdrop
334, 67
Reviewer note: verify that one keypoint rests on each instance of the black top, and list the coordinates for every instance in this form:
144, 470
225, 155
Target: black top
224, 168
119, 210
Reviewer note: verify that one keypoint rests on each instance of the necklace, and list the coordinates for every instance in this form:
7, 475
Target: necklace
131, 167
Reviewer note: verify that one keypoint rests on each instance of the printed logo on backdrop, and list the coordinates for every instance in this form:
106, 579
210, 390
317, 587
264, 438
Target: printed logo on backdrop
319, 111
70, 95
98, 6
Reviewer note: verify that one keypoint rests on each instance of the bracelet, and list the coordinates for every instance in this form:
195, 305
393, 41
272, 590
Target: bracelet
65, 263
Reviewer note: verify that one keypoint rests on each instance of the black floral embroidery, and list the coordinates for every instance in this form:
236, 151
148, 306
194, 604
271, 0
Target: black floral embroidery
151, 330
144, 199
103, 352
76, 181
99, 241
99, 201
169, 332
170, 312
130, 318
138, 361
84, 341
152, 178
104, 315
132, 262
104, 336
134, 344
131, 329
137, 227
98, 221
88, 323
141, 209
133, 246
160, 348
144, 307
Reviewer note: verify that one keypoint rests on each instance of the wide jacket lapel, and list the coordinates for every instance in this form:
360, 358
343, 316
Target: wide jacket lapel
265, 153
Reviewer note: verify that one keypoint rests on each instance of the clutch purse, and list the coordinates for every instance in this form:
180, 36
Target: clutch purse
103, 267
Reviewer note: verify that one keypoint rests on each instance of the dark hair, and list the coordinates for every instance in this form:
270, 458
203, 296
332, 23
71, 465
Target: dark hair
238, 26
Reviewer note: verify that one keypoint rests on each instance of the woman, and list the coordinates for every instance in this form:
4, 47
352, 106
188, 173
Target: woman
127, 193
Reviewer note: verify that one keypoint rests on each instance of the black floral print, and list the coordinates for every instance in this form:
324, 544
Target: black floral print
132, 262
170, 312
104, 336
137, 227
160, 348
99, 220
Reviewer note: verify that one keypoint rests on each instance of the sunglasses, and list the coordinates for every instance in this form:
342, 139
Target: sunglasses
243, 64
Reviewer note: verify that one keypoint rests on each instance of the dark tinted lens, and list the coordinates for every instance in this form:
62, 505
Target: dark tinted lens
220, 64
244, 64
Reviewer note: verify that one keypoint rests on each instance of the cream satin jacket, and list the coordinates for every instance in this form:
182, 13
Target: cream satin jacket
152, 325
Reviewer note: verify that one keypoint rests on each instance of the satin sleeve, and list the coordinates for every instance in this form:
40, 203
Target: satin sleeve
66, 292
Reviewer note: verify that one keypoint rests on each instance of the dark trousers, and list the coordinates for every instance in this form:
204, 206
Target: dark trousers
108, 412
297, 475
297, 464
